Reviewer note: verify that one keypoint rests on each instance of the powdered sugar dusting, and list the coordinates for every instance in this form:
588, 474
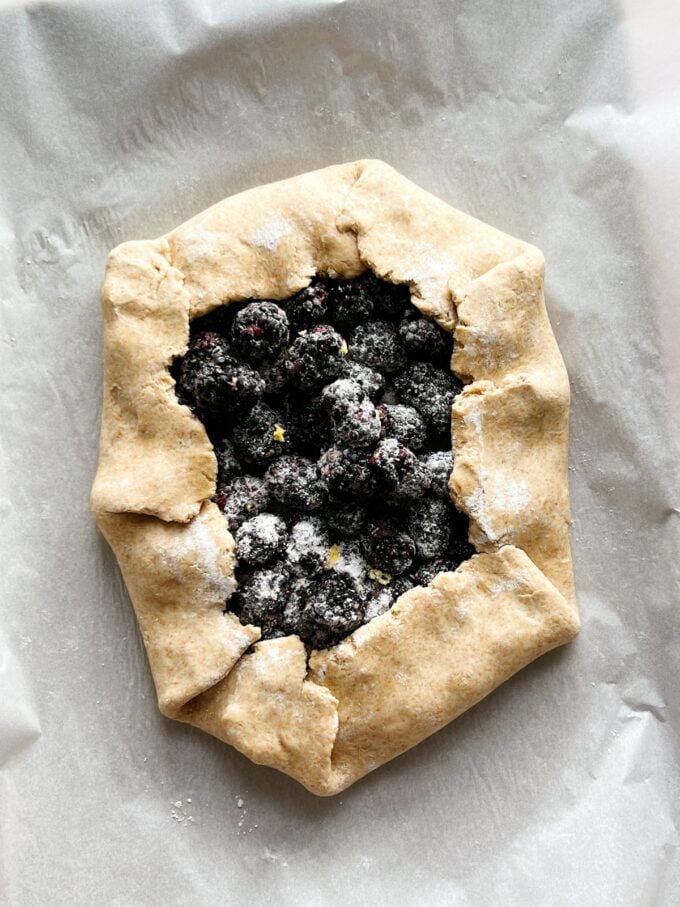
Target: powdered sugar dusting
198, 244
512, 496
488, 345
432, 271
197, 542
476, 419
269, 235
351, 562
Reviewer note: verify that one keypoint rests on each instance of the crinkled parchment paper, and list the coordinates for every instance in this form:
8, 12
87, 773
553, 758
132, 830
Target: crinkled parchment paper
556, 122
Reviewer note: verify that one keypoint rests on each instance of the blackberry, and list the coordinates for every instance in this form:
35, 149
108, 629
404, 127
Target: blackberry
309, 306
399, 470
388, 547
345, 519
228, 465
403, 423
260, 331
427, 572
332, 608
260, 597
439, 464
341, 394
377, 345
307, 547
214, 379
424, 339
307, 424
351, 300
241, 498
315, 358
382, 597
429, 525
347, 474
295, 482
370, 381
354, 420
261, 435
430, 391
391, 299
260, 539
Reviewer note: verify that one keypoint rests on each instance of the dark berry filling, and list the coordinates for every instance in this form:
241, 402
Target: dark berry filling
330, 417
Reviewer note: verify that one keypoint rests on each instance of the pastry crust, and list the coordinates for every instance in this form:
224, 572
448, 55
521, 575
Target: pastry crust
441, 648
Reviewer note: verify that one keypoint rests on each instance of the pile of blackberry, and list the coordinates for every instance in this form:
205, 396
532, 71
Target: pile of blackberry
330, 416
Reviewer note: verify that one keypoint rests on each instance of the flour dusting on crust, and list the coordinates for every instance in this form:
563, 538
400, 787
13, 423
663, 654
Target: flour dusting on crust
269, 235
198, 548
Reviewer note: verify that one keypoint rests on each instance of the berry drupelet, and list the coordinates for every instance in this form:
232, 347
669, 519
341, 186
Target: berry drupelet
345, 519
228, 464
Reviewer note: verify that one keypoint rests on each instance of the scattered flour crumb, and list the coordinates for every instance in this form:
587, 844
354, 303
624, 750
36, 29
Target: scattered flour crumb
196, 540
512, 496
180, 814
271, 856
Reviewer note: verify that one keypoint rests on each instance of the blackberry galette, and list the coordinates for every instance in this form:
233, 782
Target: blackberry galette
333, 467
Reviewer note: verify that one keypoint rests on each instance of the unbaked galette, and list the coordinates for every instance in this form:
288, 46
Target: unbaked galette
333, 467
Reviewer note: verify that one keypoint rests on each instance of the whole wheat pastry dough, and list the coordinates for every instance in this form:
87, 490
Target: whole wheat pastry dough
441, 648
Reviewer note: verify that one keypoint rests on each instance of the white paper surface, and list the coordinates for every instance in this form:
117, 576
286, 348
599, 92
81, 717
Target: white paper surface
551, 121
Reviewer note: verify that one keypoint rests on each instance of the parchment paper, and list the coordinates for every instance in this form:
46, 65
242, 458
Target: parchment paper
553, 121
